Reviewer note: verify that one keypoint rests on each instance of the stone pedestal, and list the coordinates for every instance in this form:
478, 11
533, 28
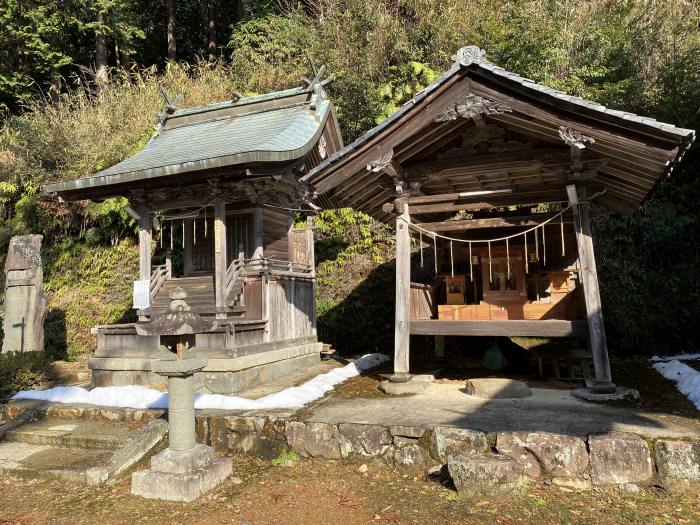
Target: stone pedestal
25, 304
185, 470
181, 475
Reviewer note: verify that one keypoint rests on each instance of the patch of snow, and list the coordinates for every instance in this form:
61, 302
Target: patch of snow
687, 379
144, 397
680, 357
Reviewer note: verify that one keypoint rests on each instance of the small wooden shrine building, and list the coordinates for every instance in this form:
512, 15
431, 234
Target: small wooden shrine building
218, 186
497, 174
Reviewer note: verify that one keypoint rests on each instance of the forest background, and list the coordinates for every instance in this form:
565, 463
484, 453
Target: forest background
79, 91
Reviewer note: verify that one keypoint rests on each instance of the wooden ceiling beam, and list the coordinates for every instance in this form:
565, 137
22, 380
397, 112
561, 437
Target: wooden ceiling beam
476, 204
491, 222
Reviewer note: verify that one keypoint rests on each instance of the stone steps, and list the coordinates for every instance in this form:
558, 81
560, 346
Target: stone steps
66, 433
81, 446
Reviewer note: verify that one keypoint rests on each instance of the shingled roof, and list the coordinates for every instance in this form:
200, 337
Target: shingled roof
628, 174
277, 127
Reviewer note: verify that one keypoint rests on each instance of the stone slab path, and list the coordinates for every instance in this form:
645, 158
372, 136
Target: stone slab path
547, 410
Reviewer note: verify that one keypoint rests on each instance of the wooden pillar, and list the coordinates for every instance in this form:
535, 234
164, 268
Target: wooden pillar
589, 280
188, 251
402, 335
311, 258
145, 245
142, 297
220, 259
440, 346
258, 233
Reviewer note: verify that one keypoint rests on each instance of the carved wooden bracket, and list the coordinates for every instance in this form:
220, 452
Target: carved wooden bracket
471, 106
381, 162
577, 142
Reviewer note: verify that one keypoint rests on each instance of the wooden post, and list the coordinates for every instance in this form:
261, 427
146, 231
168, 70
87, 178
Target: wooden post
311, 251
258, 233
402, 337
220, 260
440, 346
145, 221
145, 246
188, 251
589, 280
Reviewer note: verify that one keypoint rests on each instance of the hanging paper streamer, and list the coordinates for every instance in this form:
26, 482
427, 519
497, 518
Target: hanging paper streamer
508, 257
471, 266
561, 223
537, 246
527, 266
172, 231
420, 242
490, 272
452, 260
544, 247
161, 233
435, 252
183, 234
205, 223
194, 231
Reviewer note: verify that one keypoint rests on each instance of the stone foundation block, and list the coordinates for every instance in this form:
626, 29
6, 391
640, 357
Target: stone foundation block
152, 484
484, 474
366, 440
677, 460
317, 440
414, 458
555, 454
451, 441
618, 458
497, 388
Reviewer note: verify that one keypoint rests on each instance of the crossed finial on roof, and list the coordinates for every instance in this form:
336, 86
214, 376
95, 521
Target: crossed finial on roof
317, 83
170, 104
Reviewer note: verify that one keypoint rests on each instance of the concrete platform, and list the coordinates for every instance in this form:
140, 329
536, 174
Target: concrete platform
547, 410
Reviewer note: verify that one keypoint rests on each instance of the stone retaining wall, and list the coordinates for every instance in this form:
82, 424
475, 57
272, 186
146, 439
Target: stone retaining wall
476, 460
577, 462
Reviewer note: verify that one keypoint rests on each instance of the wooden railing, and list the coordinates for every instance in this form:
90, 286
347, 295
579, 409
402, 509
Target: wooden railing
278, 266
233, 273
159, 274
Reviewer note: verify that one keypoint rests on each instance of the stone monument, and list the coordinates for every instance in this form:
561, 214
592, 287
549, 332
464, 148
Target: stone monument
185, 470
25, 304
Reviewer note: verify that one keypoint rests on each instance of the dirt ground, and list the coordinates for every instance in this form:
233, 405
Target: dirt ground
312, 492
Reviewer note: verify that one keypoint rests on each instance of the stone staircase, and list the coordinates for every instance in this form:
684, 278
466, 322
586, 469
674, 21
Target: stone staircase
84, 444
200, 295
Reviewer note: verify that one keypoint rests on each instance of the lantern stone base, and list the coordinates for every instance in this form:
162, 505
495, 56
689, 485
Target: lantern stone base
181, 475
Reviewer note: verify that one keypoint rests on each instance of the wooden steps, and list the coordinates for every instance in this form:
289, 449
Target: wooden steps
200, 295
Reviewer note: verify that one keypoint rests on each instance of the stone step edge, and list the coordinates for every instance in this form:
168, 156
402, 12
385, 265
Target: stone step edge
35, 409
67, 440
146, 442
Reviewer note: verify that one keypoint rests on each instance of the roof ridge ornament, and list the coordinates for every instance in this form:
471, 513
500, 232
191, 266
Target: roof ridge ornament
471, 106
317, 83
469, 55
170, 104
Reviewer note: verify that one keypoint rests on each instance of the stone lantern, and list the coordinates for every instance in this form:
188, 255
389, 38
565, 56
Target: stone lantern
185, 470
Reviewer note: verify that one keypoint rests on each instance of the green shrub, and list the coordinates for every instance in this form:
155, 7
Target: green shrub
22, 371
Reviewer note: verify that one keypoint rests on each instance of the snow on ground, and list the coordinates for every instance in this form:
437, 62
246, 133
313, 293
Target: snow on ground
143, 397
680, 357
687, 379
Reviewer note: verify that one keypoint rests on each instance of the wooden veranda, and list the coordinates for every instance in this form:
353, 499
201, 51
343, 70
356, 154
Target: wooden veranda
496, 179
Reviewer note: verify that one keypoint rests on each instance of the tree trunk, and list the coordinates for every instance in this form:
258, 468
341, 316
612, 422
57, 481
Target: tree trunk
211, 29
170, 14
100, 52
